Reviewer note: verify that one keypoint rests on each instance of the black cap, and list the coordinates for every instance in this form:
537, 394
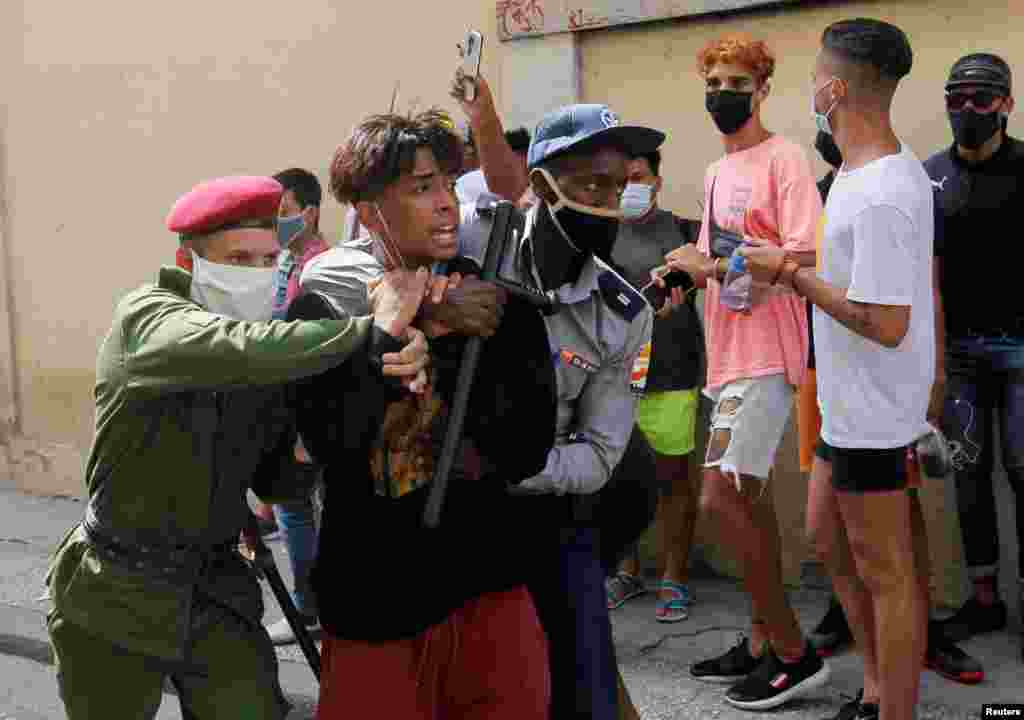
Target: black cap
980, 69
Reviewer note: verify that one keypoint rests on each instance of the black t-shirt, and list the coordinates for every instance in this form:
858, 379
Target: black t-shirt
676, 340
380, 575
977, 209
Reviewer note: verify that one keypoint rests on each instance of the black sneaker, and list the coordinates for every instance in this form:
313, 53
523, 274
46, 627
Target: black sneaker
728, 668
833, 633
857, 710
951, 662
775, 683
974, 619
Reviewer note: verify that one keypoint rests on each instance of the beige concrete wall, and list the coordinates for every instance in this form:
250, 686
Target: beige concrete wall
647, 74
114, 109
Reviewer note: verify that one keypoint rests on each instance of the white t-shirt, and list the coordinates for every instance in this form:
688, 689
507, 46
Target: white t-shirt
470, 186
877, 240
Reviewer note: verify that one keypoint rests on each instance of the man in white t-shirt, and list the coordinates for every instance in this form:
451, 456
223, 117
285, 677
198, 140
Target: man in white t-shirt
874, 331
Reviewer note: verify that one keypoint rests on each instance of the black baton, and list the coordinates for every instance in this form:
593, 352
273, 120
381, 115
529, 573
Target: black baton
503, 216
263, 563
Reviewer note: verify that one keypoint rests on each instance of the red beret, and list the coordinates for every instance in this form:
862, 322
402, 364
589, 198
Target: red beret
223, 202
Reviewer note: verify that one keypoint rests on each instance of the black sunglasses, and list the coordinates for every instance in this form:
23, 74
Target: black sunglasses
980, 100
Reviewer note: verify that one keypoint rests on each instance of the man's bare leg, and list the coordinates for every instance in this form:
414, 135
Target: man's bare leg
878, 526
676, 517
783, 629
757, 548
827, 536
923, 566
627, 711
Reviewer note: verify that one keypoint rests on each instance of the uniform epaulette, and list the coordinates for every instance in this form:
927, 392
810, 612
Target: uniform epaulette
621, 297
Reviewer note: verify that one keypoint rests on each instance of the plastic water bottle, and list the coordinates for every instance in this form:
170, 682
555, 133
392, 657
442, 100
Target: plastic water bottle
738, 286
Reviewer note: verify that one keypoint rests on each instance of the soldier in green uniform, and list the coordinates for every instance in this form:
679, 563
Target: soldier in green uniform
191, 412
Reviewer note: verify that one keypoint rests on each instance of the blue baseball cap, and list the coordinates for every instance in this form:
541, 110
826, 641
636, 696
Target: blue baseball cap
575, 127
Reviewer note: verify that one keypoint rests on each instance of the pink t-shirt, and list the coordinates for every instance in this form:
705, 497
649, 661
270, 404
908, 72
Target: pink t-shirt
766, 192
314, 246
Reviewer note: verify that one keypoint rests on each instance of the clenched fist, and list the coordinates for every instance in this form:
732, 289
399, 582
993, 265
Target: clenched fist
469, 307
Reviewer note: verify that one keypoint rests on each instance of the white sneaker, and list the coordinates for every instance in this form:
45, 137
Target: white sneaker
281, 632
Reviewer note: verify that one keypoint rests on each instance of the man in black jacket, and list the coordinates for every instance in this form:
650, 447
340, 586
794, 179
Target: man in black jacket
978, 190
410, 631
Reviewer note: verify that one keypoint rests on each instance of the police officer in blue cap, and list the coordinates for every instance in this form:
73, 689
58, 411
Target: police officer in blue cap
600, 338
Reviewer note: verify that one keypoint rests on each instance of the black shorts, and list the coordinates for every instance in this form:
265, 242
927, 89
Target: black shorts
861, 470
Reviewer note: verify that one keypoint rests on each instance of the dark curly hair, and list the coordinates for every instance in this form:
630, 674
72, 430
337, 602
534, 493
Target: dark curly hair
383, 147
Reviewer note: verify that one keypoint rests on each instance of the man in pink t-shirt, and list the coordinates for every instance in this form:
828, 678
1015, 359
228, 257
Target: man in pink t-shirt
762, 191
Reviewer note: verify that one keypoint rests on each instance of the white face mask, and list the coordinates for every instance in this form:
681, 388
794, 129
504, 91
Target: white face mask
241, 293
637, 200
823, 120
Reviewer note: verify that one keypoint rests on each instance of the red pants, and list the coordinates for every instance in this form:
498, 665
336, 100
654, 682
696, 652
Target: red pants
488, 659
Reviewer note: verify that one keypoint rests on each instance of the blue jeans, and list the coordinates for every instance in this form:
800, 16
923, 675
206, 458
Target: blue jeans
986, 377
297, 522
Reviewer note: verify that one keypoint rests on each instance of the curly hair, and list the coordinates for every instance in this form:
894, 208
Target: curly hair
383, 147
754, 55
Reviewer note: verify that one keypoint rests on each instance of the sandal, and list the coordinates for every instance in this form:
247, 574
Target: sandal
675, 608
623, 587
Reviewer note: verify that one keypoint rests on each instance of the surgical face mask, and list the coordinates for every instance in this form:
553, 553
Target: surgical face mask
289, 228
822, 120
587, 229
637, 201
730, 109
973, 129
241, 293
826, 146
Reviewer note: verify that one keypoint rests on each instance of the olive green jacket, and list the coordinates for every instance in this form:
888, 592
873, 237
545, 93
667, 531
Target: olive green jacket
190, 413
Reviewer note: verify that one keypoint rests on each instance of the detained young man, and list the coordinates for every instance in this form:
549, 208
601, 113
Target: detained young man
411, 631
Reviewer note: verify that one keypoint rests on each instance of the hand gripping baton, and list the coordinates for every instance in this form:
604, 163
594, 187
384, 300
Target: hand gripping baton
504, 227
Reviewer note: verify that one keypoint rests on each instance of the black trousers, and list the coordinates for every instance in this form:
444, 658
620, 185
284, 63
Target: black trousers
567, 583
986, 381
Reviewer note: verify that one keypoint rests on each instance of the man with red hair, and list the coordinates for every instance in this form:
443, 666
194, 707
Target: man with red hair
762, 192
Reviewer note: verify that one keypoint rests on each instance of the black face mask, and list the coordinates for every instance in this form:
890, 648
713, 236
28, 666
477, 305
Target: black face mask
556, 260
589, 232
826, 146
729, 109
972, 129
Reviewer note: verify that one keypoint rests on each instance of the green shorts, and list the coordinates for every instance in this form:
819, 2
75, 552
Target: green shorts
669, 420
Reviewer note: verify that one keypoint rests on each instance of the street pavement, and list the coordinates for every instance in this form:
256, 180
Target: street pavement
654, 657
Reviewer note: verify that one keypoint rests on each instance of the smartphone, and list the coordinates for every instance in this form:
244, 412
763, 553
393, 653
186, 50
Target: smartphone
657, 296
472, 51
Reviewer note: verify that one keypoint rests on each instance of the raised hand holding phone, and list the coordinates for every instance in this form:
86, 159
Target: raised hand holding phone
471, 51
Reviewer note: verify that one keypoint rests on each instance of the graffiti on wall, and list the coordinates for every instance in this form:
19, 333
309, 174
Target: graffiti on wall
524, 18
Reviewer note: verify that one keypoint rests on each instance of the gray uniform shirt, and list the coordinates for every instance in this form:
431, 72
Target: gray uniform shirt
600, 341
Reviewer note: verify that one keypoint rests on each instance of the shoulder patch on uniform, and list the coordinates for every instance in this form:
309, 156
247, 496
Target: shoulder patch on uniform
621, 297
638, 374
